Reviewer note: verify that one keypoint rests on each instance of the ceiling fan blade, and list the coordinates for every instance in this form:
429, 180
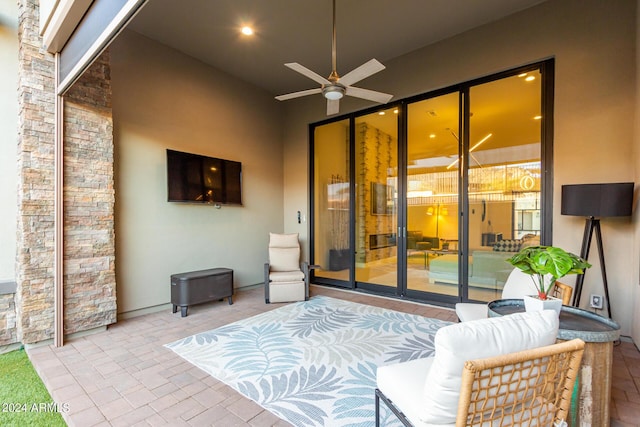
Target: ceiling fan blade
333, 106
362, 72
298, 94
371, 95
307, 72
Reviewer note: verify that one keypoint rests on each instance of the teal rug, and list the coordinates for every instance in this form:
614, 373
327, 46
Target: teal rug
312, 363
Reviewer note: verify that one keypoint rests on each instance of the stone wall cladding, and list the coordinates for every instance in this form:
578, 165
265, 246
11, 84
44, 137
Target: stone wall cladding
89, 199
34, 300
89, 243
8, 331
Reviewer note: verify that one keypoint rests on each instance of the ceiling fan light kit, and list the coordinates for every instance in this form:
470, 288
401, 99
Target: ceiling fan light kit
335, 87
333, 91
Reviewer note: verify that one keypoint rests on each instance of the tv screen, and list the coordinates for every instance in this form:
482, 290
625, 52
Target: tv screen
201, 179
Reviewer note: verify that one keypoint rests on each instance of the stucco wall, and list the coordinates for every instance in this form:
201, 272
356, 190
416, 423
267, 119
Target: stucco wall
592, 42
165, 99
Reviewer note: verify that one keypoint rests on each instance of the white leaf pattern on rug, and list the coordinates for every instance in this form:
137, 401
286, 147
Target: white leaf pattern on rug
312, 363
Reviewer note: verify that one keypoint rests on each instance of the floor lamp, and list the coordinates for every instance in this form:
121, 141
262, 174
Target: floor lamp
596, 201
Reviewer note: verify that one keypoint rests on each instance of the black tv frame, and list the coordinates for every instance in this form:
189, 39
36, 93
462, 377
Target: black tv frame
195, 178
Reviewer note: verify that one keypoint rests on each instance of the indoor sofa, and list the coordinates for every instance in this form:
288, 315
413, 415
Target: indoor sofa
488, 268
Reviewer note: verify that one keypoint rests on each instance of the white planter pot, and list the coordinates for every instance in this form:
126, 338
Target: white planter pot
534, 303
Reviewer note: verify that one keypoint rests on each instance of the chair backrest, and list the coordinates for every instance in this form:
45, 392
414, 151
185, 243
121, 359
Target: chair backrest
457, 343
562, 291
284, 252
518, 285
531, 387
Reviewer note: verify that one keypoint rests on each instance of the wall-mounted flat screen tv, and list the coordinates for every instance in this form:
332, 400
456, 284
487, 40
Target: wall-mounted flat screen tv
200, 179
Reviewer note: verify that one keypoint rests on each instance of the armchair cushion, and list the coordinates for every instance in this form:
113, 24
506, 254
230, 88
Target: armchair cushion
286, 276
404, 382
460, 342
277, 240
284, 259
467, 311
284, 252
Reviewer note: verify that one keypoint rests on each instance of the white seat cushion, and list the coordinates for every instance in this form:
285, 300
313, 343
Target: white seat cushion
478, 339
286, 276
467, 311
403, 384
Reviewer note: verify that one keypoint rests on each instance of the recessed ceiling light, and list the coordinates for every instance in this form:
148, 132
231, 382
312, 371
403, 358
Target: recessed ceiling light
537, 117
522, 75
432, 135
395, 111
530, 78
247, 31
382, 113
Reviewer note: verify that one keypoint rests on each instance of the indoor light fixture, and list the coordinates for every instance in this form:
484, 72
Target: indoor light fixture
472, 148
247, 31
333, 92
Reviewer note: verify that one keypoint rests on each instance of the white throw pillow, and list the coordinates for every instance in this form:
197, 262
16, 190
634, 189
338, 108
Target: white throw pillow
476, 339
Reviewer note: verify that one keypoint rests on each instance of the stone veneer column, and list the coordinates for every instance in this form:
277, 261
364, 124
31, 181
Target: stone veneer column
35, 246
89, 276
89, 238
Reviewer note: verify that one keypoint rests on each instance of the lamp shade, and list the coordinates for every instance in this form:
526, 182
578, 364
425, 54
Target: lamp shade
598, 200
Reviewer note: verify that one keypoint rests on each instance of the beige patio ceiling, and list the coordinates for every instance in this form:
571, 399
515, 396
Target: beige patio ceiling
300, 31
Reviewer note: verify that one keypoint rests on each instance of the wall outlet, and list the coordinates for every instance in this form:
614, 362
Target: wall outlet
595, 301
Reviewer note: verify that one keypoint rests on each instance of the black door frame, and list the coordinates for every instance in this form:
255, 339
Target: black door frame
546, 69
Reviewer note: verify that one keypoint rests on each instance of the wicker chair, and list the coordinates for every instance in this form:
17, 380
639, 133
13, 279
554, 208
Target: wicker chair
562, 291
525, 388
529, 387
512, 366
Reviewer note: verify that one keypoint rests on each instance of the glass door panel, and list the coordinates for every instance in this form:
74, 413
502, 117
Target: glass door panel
376, 212
504, 178
432, 195
331, 201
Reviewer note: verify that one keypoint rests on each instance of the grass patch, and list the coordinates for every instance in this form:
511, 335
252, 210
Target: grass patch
24, 400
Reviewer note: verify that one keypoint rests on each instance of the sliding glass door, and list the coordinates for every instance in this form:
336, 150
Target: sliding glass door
432, 170
376, 207
427, 198
331, 207
504, 178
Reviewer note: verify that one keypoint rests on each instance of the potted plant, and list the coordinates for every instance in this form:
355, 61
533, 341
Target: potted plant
545, 265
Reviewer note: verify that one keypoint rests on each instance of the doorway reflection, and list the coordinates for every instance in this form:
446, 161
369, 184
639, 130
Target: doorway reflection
432, 195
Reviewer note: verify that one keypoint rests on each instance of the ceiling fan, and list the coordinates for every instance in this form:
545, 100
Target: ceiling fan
335, 87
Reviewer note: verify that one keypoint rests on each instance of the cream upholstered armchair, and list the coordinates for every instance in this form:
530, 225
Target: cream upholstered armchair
518, 285
285, 277
499, 371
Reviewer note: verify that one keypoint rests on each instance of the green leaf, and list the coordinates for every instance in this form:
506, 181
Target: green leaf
539, 261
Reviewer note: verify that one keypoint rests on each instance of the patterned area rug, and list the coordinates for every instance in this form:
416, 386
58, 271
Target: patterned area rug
312, 363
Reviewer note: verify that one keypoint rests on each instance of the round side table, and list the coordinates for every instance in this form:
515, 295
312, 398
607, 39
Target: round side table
594, 382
